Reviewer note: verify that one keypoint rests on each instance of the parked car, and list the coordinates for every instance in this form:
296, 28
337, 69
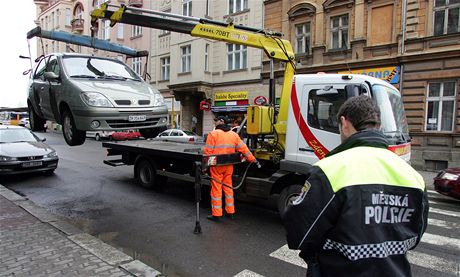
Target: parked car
88, 93
447, 182
98, 135
125, 135
178, 135
24, 122
21, 151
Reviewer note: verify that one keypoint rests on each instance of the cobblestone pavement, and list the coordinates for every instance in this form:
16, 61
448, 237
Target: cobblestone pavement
35, 243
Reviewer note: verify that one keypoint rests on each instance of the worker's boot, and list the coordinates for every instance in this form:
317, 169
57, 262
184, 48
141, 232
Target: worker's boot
213, 218
230, 216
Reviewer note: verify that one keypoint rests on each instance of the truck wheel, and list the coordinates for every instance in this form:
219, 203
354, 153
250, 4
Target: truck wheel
287, 196
145, 173
36, 122
71, 135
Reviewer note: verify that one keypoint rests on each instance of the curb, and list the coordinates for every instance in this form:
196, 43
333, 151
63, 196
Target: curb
95, 246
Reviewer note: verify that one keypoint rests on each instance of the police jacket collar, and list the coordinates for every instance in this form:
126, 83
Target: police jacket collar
368, 137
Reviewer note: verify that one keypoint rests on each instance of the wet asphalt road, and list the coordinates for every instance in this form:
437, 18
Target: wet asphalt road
157, 227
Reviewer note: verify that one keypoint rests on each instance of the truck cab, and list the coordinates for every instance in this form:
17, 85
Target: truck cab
313, 130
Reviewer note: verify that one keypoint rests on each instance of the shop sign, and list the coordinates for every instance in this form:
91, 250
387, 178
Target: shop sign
389, 74
231, 96
260, 100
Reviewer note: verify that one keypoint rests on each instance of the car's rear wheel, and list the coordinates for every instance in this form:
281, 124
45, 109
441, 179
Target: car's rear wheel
36, 122
72, 136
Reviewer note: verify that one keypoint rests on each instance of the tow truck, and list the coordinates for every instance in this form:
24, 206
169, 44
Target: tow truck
287, 141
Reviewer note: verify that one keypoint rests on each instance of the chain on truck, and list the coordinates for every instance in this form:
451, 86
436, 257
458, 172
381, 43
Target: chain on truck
286, 140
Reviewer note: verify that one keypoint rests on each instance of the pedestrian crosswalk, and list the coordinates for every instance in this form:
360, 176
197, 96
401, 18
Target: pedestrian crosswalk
441, 237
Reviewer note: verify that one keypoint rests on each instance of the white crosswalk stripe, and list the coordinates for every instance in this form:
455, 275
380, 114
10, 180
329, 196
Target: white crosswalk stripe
417, 257
248, 273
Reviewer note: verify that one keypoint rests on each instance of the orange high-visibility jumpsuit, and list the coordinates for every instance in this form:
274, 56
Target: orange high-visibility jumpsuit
222, 142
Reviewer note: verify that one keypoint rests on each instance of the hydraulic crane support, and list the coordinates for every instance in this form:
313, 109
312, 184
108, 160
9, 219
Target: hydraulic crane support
86, 41
274, 47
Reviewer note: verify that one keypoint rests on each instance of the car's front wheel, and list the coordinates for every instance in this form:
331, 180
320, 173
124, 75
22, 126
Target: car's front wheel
72, 136
36, 122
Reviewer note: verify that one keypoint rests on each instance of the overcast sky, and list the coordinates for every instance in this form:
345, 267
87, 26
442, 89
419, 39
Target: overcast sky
16, 20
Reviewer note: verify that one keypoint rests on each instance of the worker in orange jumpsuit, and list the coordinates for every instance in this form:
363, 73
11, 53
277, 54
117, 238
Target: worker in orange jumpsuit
222, 141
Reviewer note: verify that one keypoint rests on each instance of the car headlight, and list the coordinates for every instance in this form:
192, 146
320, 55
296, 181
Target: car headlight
7, 159
449, 176
51, 155
158, 100
96, 99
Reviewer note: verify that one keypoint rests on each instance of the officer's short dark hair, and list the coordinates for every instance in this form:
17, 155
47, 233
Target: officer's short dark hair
361, 111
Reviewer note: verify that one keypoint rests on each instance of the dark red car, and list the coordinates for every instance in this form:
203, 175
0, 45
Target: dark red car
447, 182
126, 135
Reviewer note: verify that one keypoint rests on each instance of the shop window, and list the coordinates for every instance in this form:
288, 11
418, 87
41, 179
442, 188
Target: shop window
303, 42
440, 106
446, 14
339, 32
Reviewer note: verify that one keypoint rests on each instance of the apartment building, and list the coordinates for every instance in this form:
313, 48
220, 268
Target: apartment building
74, 16
413, 44
190, 69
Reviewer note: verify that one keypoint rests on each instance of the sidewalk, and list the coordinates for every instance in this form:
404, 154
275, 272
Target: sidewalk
33, 242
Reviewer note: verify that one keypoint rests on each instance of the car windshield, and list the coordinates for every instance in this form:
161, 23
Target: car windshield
91, 67
394, 123
16, 135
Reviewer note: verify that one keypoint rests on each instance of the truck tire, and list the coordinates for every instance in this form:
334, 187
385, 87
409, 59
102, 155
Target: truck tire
145, 172
287, 196
72, 136
36, 122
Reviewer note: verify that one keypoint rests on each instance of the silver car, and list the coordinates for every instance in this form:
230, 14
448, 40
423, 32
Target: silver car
179, 136
87, 93
21, 151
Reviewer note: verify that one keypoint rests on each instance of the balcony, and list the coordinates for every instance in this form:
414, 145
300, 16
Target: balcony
78, 25
135, 3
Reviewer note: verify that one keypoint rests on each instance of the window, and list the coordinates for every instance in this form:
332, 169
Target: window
302, 33
165, 63
323, 108
121, 26
79, 12
57, 18
137, 65
236, 56
46, 22
68, 17
187, 7
52, 21
186, 58
440, 106
206, 57
235, 6
105, 29
136, 31
40, 69
52, 46
164, 32
446, 16
339, 32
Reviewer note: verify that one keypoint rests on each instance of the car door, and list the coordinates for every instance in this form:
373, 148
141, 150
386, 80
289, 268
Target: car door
55, 87
41, 88
175, 135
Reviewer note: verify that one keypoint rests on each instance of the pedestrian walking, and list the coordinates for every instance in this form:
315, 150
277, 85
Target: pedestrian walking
222, 141
363, 207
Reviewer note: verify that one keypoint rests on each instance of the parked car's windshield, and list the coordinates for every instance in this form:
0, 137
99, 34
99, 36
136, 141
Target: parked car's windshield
91, 67
16, 135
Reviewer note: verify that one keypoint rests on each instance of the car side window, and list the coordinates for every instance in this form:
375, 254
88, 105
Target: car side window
164, 134
53, 66
174, 133
40, 69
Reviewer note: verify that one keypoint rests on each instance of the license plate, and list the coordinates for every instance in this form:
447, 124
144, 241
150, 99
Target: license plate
137, 118
32, 164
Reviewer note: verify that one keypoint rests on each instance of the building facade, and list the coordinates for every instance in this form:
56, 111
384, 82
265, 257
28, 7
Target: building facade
413, 44
191, 69
73, 16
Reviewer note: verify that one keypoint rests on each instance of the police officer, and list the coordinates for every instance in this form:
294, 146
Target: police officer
363, 207
222, 141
